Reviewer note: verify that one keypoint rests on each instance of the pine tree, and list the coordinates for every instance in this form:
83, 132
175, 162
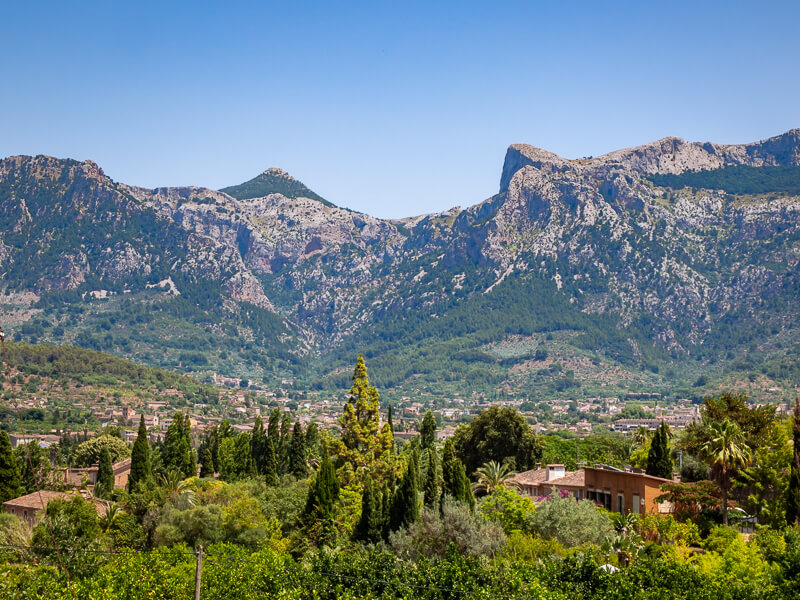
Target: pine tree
793, 491
9, 474
364, 443
207, 464
431, 480
659, 463
427, 436
104, 486
455, 482
140, 458
297, 452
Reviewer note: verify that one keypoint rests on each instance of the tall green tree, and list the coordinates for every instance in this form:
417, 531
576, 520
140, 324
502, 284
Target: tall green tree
659, 463
455, 482
286, 442
427, 434
140, 458
501, 435
370, 524
207, 464
297, 452
33, 465
104, 487
258, 445
177, 450
793, 491
321, 500
725, 449
364, 443
431, 488
271, 464
9, 474
405, 503
242, 459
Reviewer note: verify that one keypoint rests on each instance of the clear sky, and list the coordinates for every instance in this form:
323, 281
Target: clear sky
390, 108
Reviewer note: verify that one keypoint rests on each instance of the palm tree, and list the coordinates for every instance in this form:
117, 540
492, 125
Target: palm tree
725, 448
492, 475
180, 491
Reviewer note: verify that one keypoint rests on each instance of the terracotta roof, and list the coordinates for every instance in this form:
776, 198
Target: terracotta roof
532, 477
573, 479
36, 502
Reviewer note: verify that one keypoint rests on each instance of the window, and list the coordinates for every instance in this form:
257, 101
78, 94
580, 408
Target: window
635, 506
620, 503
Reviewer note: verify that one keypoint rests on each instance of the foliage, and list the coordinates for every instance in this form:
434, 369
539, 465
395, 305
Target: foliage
659, 463
491, 476
765, 481
10, 486
431, 486
404, 509
455, 483
498, 434
364, 444
88, 453
725, 448
512, 511
321, 500
570, 522
434, 534
736, 179
104, 487
689, 499
68, 524
427, 435
370, 524
141, 470
793, 488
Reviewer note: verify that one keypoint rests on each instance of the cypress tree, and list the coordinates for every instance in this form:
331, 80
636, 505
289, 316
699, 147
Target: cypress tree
370, 525
793, 491
455, 482
427, 436
405, 505
286, 441
312, 439
9, 474
431, 480
258, 446
297, 452
271, 464
188, 458
140, 458
659, 463
389, 419
104, 486
207, 464
173, 452
322, 497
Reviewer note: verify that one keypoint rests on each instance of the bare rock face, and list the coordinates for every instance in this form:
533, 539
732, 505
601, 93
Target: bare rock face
611, 241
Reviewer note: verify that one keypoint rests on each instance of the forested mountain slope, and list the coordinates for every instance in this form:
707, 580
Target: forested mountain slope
663, 264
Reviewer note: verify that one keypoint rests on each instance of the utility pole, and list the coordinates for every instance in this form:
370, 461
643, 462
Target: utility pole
198, 573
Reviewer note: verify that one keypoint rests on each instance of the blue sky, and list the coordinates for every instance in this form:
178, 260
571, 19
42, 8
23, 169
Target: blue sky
391, 108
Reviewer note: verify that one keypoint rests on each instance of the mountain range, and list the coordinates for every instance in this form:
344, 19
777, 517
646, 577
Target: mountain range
670, 267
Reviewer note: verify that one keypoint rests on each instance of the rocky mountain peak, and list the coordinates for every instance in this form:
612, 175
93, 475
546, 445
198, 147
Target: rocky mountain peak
669, 155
